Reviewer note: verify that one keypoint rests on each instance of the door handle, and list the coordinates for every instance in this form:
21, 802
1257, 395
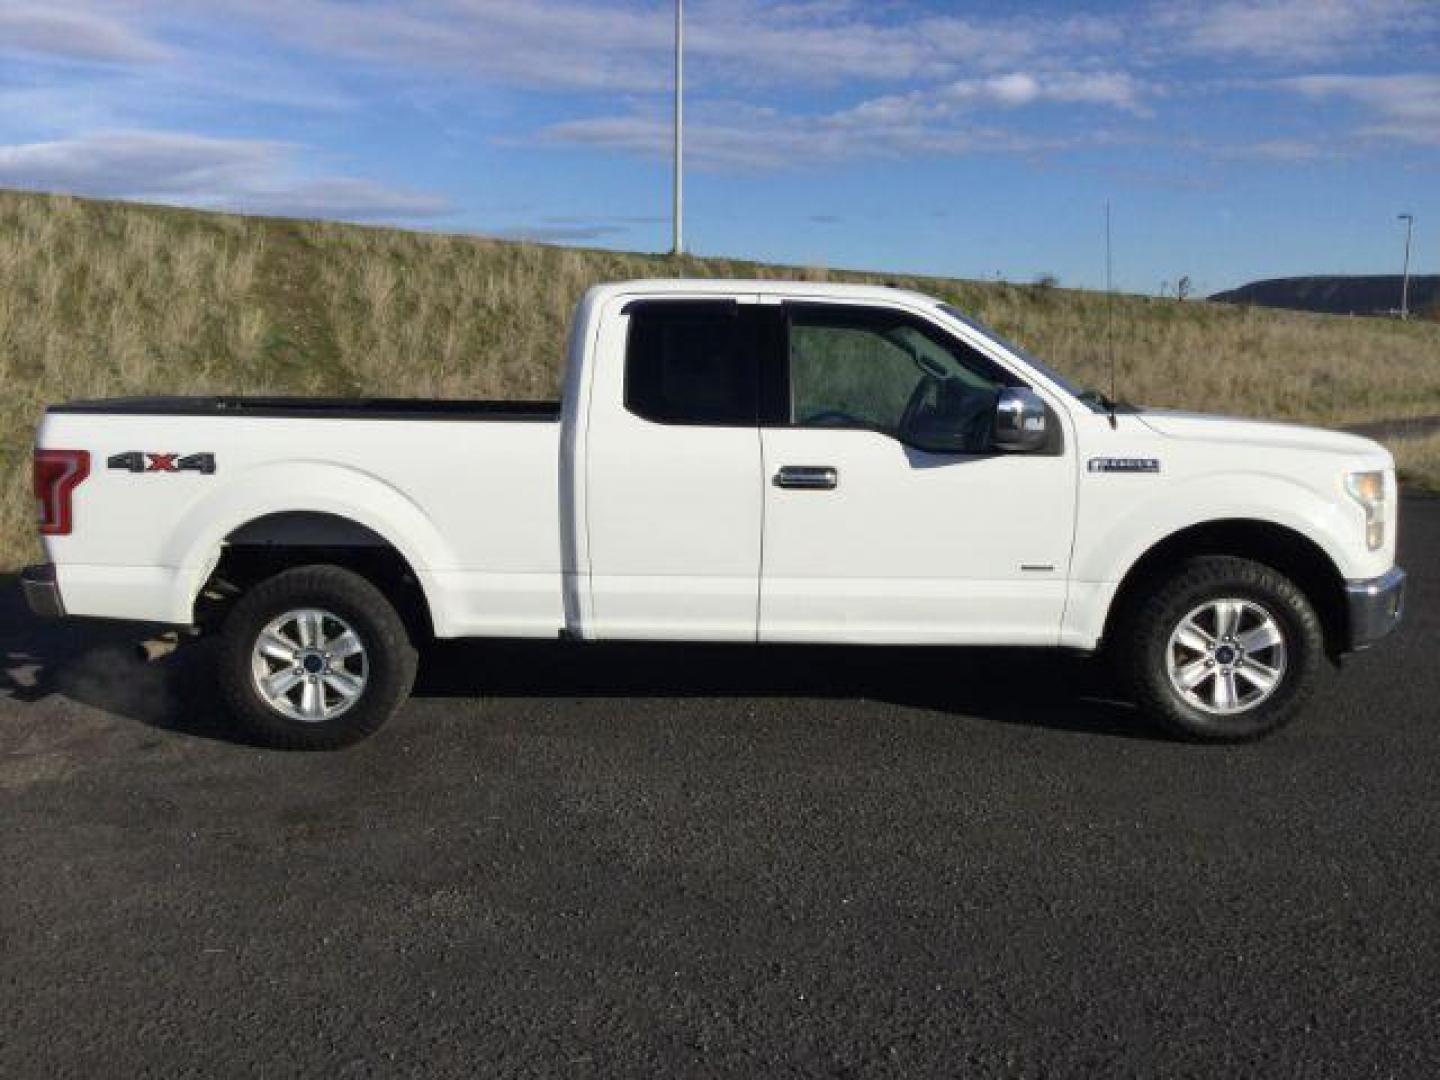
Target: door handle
808, 477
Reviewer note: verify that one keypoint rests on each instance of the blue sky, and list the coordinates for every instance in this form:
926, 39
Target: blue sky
1235, 139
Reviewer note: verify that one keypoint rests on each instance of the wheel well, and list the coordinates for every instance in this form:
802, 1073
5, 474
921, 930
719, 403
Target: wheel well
1291, 553
269, 545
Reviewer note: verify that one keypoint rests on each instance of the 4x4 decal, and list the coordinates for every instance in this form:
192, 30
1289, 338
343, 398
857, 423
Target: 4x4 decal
138, 462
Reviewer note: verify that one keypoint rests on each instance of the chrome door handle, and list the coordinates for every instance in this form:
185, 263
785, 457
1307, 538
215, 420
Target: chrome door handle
808, 477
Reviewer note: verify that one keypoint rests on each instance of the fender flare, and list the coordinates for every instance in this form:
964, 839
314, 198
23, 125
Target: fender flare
1263, 498
307, 487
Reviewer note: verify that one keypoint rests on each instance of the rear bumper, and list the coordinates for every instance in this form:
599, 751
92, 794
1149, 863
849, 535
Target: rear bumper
42, 591
1376, 607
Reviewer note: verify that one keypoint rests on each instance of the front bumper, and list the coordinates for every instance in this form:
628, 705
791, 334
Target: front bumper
42, 592
1376, 607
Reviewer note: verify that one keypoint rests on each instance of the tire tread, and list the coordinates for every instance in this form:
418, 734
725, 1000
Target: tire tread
392, 656
1147, 627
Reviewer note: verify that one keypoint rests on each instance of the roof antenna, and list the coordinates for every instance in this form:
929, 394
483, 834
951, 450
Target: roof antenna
1110, 316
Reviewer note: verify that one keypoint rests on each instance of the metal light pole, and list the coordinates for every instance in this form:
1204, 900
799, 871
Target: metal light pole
679, 207
1409, 220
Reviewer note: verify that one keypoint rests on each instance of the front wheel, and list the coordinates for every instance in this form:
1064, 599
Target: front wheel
1225, 650
314, 658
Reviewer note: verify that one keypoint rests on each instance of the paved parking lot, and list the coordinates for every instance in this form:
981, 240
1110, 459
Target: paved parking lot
621, 861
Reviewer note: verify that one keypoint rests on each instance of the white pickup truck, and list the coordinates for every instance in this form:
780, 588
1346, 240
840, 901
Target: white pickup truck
731, 462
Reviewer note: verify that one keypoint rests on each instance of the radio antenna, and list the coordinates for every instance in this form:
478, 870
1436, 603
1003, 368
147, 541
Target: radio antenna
1110, 312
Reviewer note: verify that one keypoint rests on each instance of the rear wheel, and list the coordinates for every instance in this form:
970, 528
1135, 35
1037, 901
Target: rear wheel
314, 658
1225, 650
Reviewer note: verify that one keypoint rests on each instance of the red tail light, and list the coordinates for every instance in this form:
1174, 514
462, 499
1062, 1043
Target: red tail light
57, 474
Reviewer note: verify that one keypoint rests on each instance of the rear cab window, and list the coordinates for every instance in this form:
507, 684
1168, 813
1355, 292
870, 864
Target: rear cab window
691, 362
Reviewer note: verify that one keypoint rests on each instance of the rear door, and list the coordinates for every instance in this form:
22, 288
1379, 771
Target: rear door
674, 485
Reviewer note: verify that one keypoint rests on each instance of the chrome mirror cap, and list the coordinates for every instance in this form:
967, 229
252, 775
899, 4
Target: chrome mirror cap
1021, 422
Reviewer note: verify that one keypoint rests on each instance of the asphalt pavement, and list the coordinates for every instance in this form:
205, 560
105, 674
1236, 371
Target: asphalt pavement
617, 861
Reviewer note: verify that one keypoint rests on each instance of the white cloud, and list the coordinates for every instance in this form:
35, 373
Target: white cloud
141, 163
1402, 107
547, 43
625, 46
1012, 90
74, 34
1111, 88
965, 64
943, 121
927, 82
735, 137
246, 174
1274, 151
976, 65
344, 197
820, 44
1289, 30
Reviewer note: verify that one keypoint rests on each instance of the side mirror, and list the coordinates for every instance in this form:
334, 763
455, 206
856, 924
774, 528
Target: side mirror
1021, 422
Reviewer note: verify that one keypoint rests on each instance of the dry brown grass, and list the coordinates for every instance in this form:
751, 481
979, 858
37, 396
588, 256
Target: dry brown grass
101, 299
96, 300
463, 316
1418, 460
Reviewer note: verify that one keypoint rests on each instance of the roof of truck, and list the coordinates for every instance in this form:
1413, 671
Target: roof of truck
733, 286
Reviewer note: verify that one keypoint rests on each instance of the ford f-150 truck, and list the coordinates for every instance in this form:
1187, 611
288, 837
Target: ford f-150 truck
731, 462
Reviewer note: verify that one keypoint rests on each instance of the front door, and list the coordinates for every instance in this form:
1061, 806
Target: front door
888, 515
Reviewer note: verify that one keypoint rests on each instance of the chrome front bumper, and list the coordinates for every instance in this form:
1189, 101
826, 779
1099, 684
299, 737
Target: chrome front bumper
42, 592
1376, 607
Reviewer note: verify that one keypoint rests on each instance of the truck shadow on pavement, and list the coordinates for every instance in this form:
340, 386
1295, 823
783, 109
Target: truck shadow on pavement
1036, 688
98, 664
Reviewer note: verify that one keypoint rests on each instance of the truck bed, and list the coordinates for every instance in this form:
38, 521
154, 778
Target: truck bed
474, 508
321, 408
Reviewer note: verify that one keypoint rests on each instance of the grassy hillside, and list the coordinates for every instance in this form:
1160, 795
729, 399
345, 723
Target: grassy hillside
100, 299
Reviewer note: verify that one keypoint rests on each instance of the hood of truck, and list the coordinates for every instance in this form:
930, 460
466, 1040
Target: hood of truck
1258, 433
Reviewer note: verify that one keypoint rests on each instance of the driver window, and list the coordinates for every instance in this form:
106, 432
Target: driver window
858, 368
848, 376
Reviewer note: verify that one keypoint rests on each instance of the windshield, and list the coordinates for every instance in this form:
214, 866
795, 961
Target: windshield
1091, 398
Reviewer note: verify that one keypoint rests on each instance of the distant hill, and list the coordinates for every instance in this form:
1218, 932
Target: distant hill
1371, 294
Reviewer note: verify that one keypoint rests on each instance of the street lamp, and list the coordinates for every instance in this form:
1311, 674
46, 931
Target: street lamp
1409, 220
678, 211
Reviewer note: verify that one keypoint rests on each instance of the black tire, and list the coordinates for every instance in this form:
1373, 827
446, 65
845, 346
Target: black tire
1142, 650
386, 666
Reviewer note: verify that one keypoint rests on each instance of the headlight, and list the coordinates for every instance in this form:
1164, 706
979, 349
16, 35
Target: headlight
1368, 489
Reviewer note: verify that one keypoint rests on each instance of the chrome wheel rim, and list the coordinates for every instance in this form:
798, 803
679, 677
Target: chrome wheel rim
310, 665
1226, 656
